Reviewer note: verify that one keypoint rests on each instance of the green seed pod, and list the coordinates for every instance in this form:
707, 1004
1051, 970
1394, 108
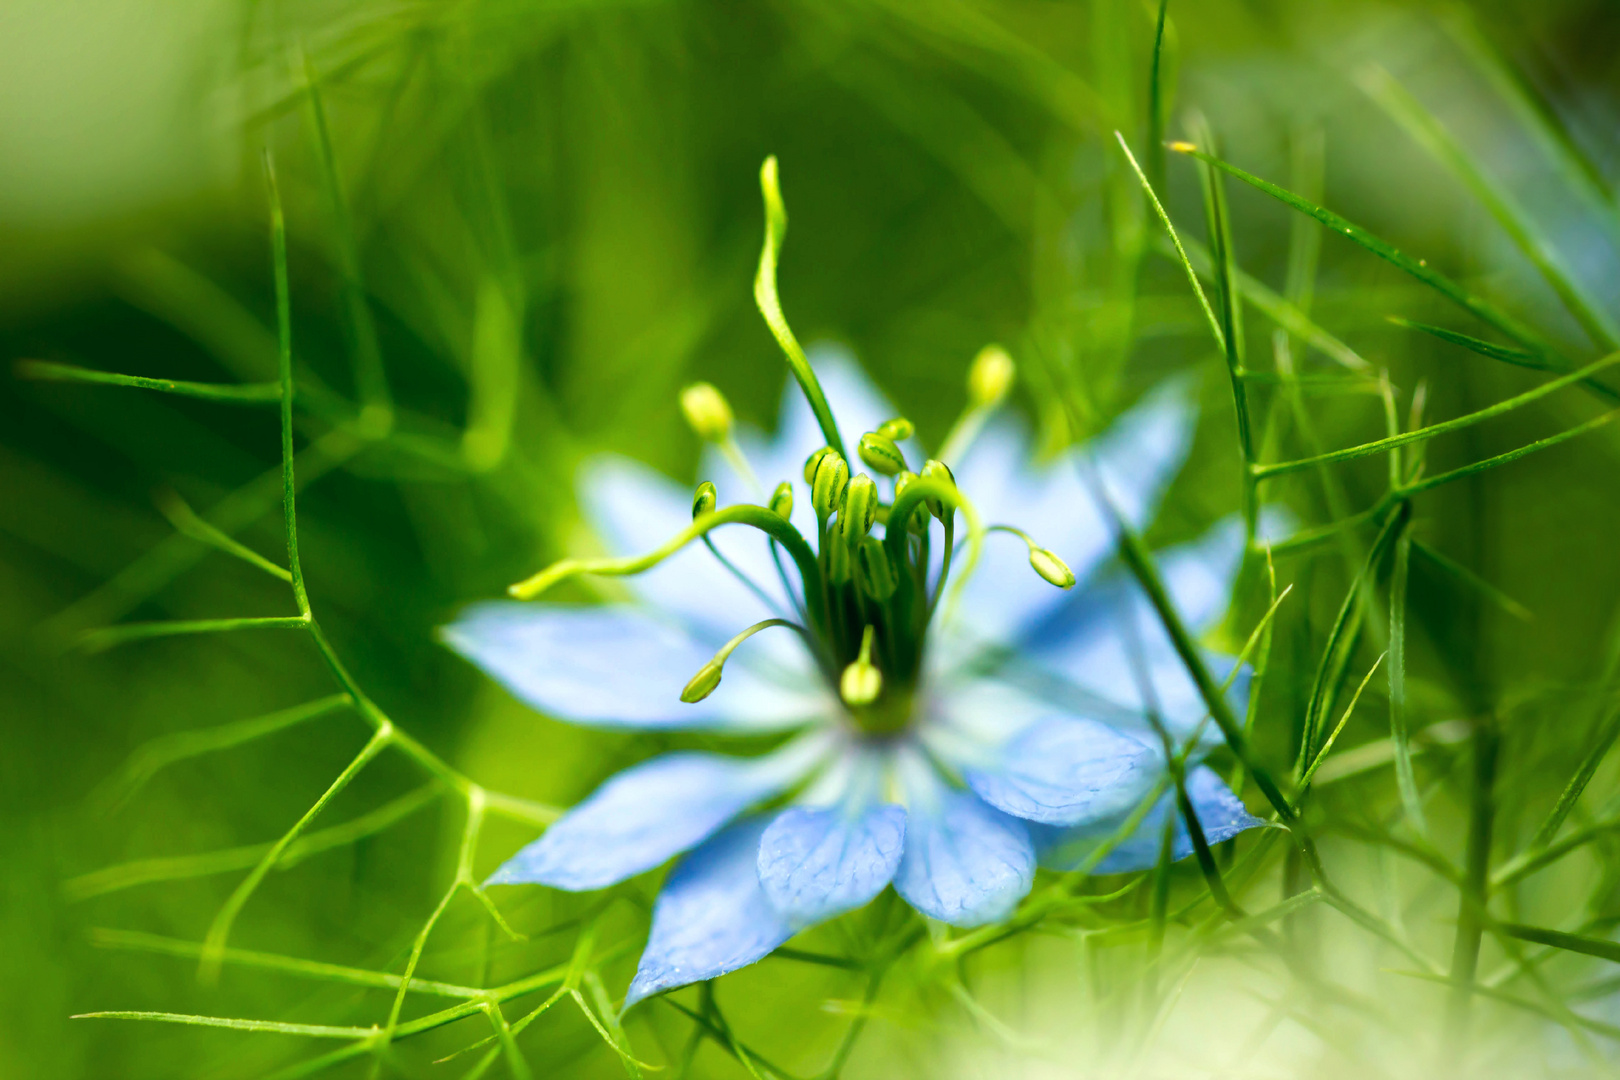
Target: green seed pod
704, 500
938, 470
707, 412
860, 509
828, 488
813, 462
1050, 567
877, 576
703, 683
880, 453
899, 429
990, 376
782, 500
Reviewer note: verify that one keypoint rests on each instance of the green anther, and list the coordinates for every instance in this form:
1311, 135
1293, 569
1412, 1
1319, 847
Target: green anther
782, 500
899, 429
880, 453
861, 682
704, 500
703, 683
860, 509
708, 676
707, 412
936, 470
813, 462
990, 376
1049, 566
877, 576
829, 485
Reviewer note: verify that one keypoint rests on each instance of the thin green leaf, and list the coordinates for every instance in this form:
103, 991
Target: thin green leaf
95, 641
1379, 446
1418, 268
315, 1031
186, 522
227, 393
1400, 740
1474, 581
1428, 132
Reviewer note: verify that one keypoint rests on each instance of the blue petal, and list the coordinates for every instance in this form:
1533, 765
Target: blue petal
645, 815
712, 916
619, 666
965, 863
1136, 458
1066, 770
1219, 812
636, 509
1085, 645
815, 863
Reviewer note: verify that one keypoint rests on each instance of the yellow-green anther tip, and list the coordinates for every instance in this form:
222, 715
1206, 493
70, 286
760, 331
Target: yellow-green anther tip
991, 376
813, 462
880, 454
707, 411
860, 508
860, 684
703, 683
782, 500
829, 485
938, 470
1050, 567
703, 501
899, 429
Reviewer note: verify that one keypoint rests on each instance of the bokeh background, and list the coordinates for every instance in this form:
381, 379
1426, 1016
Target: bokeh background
546, 223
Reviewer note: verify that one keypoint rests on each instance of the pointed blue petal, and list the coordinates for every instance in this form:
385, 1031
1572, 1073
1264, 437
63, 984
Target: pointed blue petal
1066, 770
965, 863
620, 666
1136, 458
817, 862
1220, 813
650, 813
636, 509
1084, 643
712, 916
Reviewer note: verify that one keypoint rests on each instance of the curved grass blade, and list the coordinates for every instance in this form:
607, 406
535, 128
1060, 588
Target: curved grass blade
1418, 268
1422, 125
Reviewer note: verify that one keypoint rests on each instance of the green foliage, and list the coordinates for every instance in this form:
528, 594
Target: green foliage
514, 231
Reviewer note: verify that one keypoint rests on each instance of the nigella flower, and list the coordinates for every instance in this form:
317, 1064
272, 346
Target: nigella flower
955, 717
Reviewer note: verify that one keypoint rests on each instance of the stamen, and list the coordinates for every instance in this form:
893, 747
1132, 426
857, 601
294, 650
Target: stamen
931, 490
990, 378
881, 454
1043, 561
828, 475
861, 682
782, 501
758, 517
710, 417
860, 509
703, 502
708, 676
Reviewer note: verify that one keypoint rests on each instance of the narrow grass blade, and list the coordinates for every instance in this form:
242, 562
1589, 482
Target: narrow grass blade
227, 393
186, 522
1381, 445
95, 641
1418, 268
1505, 353
1175, 241
1474, 581
136, 941
1400, 741
1438, 479
1327, 744
180, 867
220, 929
165, 750
314, 1031
1428, 132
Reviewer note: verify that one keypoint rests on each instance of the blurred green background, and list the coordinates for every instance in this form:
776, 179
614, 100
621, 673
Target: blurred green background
547, 224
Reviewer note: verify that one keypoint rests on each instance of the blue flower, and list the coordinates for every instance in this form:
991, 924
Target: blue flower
1008, 728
